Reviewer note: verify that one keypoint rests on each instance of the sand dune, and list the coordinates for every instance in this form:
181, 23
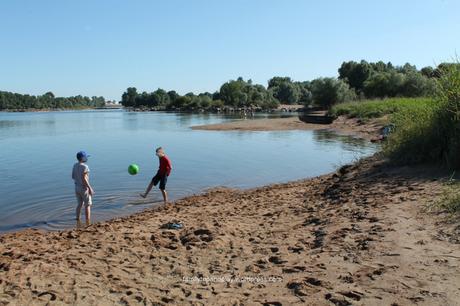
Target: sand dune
356, 237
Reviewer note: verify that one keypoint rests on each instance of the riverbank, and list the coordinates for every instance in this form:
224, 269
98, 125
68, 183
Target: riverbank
342, 125
352, 237
46, 110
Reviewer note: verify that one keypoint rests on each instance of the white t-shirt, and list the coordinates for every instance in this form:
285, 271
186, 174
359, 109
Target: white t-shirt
77, 174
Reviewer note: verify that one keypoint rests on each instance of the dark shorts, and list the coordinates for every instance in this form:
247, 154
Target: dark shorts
163, 179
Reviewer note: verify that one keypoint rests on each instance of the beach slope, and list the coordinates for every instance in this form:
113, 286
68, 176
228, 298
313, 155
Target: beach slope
353, 237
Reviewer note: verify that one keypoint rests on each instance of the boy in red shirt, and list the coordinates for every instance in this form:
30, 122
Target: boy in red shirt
162, 175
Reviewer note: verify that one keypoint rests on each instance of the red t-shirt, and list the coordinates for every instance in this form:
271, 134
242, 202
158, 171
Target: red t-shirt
165, 166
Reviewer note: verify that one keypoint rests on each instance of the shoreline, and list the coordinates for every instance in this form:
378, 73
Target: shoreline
354, 236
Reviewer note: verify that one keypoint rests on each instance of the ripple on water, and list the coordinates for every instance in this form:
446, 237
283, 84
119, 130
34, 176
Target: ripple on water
57, 212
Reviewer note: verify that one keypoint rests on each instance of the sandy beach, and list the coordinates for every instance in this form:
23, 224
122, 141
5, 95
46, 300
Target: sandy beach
355, 237
342, 125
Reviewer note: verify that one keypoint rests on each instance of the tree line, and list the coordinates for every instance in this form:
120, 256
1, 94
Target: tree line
356, 80
15, 101
235, 93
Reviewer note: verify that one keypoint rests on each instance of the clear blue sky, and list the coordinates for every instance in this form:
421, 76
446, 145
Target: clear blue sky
101, 47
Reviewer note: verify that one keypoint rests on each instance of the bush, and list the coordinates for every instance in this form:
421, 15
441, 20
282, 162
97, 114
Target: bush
327, 92
431, 133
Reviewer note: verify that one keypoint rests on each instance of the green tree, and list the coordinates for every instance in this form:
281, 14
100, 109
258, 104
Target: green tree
233, 93
407, 68
161, 97
417, 85
277, 81
128, 98
427, 71
306, 96
173, 95
49, 94
384, 84
329, 91
244, 94
180, 103
355, 74
284, 90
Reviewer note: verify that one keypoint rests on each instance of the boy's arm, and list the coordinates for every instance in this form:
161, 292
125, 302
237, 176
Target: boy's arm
168, 167
86, 182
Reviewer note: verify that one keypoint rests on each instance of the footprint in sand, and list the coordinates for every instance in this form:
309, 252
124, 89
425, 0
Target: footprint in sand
294, 269
337, 300
296, 249
272, 304
276, 260
318, 242
52, 296
355, 295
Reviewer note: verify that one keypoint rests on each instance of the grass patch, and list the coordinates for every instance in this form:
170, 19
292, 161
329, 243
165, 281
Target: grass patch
415, 136
449, 201
368, 109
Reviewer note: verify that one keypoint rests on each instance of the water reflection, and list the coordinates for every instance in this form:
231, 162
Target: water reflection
11, 123
331, 136
346, 142
130, 121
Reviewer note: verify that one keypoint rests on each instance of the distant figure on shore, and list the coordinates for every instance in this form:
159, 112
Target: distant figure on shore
83, 189
164, 170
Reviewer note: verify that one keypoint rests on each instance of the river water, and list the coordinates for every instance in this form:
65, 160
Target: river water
37, 152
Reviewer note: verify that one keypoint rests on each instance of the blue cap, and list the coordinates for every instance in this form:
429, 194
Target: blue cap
82, 155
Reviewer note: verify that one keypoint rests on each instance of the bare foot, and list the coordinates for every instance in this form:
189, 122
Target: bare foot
143, 195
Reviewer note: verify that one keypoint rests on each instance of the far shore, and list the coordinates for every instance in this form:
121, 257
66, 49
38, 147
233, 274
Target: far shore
49, 110
342, 125
45, 110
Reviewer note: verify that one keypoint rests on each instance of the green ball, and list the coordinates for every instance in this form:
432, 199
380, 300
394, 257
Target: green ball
133, 169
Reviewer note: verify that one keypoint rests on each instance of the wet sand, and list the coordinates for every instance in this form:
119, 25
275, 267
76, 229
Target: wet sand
341, 125
275, 124
355, 237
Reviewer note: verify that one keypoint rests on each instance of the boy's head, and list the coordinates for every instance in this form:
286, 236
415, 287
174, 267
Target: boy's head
160, 152
82, 156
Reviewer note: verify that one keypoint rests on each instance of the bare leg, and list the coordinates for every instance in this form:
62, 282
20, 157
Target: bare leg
144, 195
165, 195
78, 211
88, 215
